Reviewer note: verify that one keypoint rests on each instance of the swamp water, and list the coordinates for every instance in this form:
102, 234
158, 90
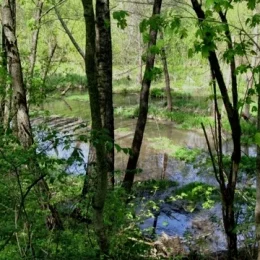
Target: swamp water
201, 229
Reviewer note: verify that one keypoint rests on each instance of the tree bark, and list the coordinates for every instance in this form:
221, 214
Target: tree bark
6, 97
34, 46
257, 207
143, 107
35, 37
104, 72
101, 166
251, 76
19, 95
167, 77
140, 58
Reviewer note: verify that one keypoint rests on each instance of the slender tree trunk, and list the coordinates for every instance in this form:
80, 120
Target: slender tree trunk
21, 115
227, 189
140, 58
6, 95
257, 207
166, 76
65, 27
104, 70
35, 37
34, 44
101, 167
251, 77
143, 107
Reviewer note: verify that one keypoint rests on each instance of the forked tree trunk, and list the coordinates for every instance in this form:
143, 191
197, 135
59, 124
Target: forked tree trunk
143, 106
104, 74
101, 166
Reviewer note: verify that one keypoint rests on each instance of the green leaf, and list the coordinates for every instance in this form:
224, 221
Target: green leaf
154, 49
209, 3
143, 25
251, 4
120, 16
257, 138
190, 53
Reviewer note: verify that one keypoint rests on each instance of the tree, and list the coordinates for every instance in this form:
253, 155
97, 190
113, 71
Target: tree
227, 187
104, 72
6, 96
101, 165
257, 207
20, 109
149, 74
167, 77
34, 41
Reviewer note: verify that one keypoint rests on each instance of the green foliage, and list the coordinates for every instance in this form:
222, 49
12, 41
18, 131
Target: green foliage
157, 93
127, 112
178, 152
248, 166
257, 138
248, 132
155, 22
154, 73
120, 16
186, 154
81, 97
195, 193
154, 185
59, 80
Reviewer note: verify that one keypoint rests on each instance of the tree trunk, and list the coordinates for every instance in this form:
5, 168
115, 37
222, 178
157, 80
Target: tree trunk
34, 44
6, 95
104, 70
227, 190
35, 37
21, 115
251, 76
19, 95
65, 27
143, 107
140, 59
167, 77
257, 207
101, 167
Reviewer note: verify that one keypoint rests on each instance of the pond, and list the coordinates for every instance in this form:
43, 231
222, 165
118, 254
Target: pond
201, 224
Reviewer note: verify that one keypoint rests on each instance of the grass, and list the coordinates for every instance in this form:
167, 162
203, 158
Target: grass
154, 185
81, 97
178, 152
127, 112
